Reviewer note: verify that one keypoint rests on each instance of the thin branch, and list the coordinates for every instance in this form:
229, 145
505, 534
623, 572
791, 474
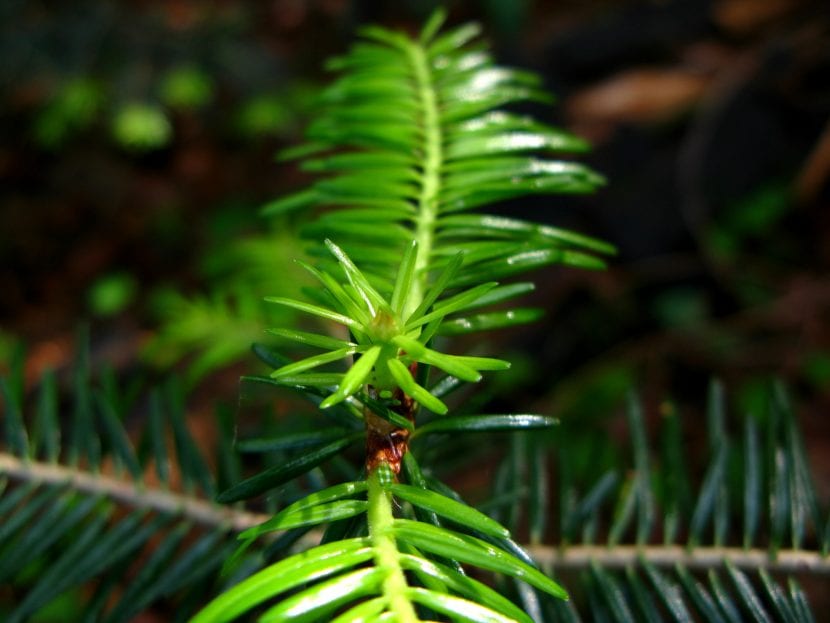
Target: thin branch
573, 557
136, 495
579, 556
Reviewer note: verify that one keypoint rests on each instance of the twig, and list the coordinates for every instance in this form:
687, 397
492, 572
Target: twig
573, 557
621, 556
136, 495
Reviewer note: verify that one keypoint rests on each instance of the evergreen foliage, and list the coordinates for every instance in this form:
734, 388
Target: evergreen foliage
90, 517
634, 538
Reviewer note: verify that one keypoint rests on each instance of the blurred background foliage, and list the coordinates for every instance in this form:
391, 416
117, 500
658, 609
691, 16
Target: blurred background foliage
139, 140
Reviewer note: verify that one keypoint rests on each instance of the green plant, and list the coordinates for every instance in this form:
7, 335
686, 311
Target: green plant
411, 138
211, 330
411, 144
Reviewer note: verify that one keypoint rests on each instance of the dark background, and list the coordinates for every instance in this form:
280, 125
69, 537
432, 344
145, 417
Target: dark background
138, 142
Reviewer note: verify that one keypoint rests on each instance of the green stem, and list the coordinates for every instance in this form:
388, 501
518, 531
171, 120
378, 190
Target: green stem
380, 516
387, 556
433, 159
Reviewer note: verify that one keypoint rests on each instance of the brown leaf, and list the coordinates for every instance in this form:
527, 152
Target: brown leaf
639, 96
743, 17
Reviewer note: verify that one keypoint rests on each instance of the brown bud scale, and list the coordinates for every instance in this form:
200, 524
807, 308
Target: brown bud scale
386, 442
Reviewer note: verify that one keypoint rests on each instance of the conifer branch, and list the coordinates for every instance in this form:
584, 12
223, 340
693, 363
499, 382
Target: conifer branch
696, 558
134, 495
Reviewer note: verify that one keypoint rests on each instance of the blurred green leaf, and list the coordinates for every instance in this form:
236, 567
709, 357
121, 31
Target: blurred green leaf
817, 369
73, 108
681, 307
263, 115
112, 293
141, 127
186, 87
